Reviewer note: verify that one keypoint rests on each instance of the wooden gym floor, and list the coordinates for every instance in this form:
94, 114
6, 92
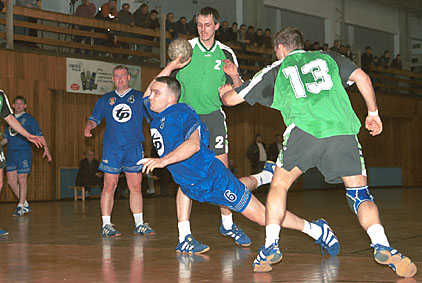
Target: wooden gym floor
60, 242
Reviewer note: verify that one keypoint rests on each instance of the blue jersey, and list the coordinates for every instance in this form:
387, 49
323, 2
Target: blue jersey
123, 115
172, 127
16, 141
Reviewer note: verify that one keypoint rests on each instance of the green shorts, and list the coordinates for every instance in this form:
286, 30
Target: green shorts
335, 157
216, 124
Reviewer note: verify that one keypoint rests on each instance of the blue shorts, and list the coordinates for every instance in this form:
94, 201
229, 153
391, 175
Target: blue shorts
114, 161
20, 160
220, 187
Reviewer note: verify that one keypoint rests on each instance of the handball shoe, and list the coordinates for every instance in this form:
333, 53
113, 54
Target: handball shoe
237, 234
328, 241
269, 166
191, 246
19, 211
108, 230
143, 229
267, 257
401, 264
27, 209
3, 232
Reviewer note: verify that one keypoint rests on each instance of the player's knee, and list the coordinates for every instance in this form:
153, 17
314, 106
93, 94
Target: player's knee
356, 196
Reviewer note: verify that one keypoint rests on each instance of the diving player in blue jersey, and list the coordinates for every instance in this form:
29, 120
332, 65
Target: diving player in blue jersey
123, 111
6, 114
19, 154
181, 141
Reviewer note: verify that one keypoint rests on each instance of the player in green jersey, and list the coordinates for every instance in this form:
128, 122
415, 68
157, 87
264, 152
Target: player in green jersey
308, 89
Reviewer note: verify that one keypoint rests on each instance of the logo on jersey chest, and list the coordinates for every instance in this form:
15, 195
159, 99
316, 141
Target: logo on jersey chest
157, 140
111, 101
163, 120
122, 113
131, 99
12, 132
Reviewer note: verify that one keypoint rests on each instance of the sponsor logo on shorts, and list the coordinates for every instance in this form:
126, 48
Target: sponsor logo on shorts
111, 101
105, 161
231, 197
122, 113
25, 164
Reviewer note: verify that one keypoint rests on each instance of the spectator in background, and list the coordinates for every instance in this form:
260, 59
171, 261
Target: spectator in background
342, 50
336, 45
315, 46
85, 10
348, 52
125, 17
154, 22
223, 33
250, 35
107, 12
325, 47
367, 59
170, 24
268, 41
257, 155
241, 37
259, 38
233, 32
384, 60
89, 175
193, 30
397, 63
35, 4
307, 46
142, 17
275, 148
181, 26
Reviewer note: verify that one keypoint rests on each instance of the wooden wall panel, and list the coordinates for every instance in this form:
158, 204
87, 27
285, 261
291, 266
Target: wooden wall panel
62, 117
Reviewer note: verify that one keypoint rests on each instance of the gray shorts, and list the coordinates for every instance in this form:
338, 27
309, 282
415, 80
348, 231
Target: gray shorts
335, 157
216, 124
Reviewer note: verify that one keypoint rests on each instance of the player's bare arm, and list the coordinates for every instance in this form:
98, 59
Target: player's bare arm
229, 96
46, 153
182, 152
11, 120
170, 67
231, 69
90, 125
372, 122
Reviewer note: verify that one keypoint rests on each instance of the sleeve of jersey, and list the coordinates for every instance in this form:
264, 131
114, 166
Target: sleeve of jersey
98, 113
345, 65
190, 124
5, 110
35, 128
260, 89
232, 57
6, 134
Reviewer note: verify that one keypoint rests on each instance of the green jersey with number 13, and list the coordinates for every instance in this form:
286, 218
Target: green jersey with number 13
309, 93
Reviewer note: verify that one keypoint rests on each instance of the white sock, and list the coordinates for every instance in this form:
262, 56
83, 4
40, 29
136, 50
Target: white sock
227, 221
312, 230
263, 178
377, 235
272, 233
26, 203
20, 205
139, 219
184, 230
106, 220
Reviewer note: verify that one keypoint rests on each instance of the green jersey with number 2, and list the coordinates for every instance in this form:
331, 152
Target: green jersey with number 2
309, 93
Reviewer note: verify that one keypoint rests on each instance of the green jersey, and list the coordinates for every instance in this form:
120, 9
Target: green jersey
202, 77
307, 88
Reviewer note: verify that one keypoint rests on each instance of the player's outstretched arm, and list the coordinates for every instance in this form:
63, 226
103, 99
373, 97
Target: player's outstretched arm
90, 125
46, 153
229, 96
372, 122
182, 152
11, 120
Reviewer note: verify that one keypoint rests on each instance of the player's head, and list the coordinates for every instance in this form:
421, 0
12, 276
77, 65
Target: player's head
165, 91
121, 78
19, 104
287, 40
207, 21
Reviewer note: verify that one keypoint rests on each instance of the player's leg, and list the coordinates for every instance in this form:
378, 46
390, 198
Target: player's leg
12, 180
23, 191
186, 243
362, 204
107, 203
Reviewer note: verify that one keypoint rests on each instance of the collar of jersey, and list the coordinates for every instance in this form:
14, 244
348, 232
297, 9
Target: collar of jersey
18, 115
297, 51
203, 48
123, 94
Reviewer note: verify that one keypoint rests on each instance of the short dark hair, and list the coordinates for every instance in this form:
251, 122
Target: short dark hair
19, 97
172, 84
119, 67
154, 12
210, 11
291, 38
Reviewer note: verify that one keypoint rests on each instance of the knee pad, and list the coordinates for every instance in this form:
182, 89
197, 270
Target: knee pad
355, 196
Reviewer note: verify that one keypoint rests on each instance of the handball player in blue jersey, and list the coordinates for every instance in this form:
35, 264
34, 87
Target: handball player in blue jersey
181, 140
123, 111
6, 114
19, 154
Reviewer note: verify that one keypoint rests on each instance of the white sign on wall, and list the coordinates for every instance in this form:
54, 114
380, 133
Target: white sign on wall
95, 77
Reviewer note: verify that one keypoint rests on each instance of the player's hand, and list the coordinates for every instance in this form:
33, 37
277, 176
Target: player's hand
374, 125
230, 68
87, 131
224, 88
47, 154
151, 163
37, 140
176, 64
